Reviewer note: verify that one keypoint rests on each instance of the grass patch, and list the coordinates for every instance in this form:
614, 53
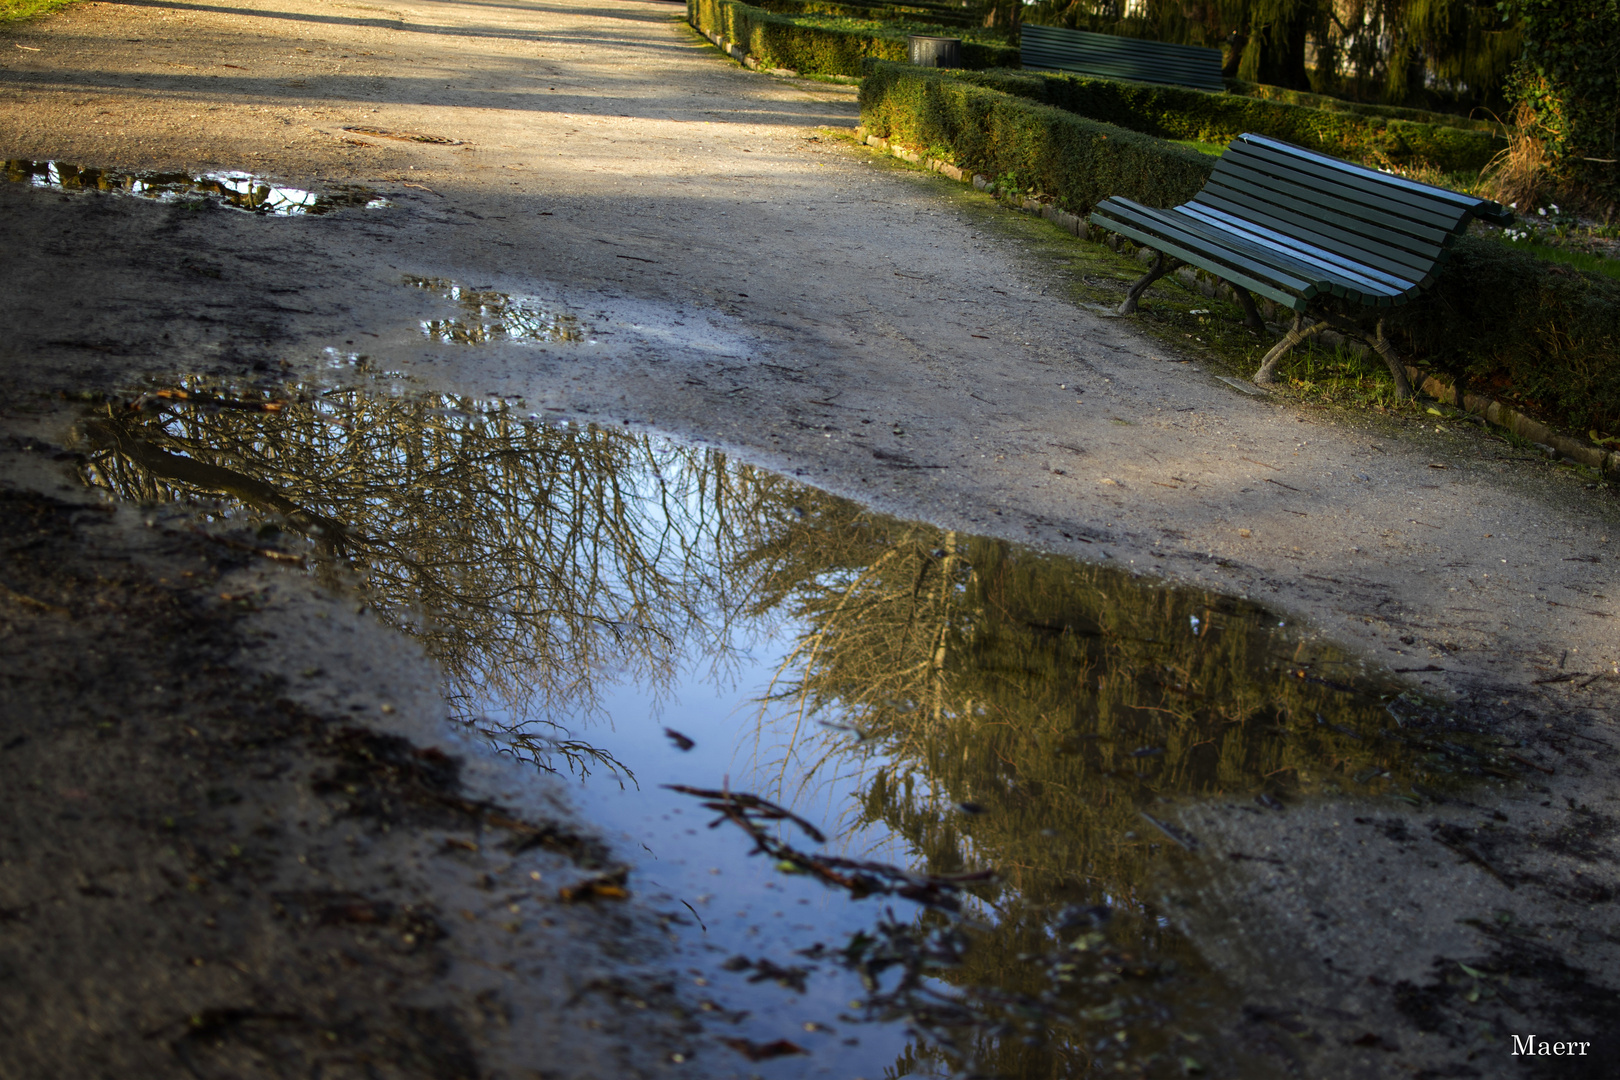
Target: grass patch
1212, 149
13, 11
1580, 260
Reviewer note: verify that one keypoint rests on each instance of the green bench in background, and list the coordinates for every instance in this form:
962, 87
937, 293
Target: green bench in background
1055, 48
1321, 237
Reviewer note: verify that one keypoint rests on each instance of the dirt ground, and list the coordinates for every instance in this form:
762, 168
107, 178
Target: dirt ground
211, 866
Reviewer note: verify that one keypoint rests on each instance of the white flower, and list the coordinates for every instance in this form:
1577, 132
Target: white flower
1555, 208
1513, 206
1542, 211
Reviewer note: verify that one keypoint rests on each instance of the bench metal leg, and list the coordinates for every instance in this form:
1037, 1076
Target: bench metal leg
1162, 265
1381, 345
1267, 375
1251, 314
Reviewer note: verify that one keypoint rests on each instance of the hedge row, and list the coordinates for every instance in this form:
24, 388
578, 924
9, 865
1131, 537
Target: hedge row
1176, 112
780, 41
1359, 108
938, 16
1078, 160
1542, 335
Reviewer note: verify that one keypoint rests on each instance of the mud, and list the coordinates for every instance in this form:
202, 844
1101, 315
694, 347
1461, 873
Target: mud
754, 281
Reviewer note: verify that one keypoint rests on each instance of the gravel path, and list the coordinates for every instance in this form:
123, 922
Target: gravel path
746, 276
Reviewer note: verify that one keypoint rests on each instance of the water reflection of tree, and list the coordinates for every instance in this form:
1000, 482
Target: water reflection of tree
1058, 703
528, 558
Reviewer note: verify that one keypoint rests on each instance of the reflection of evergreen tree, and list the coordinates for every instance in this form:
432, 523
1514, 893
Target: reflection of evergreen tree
1023, 713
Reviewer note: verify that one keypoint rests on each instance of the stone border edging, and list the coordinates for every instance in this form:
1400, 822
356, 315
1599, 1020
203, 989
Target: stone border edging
740, 54
1493, 411
1489, 409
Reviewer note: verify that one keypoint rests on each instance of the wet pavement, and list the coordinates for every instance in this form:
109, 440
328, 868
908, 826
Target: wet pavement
490, 316
933, 782
236, 190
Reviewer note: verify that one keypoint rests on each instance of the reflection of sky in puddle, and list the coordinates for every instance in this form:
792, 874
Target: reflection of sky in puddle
939, 701
489, 316
238, 190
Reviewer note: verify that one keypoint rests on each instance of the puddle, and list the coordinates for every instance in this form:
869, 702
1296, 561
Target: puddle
489, 316
981, 748
240, 191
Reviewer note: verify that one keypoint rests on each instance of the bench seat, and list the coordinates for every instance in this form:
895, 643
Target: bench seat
1300, 228
1109, 56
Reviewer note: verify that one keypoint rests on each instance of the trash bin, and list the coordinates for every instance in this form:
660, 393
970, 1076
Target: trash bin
941, 52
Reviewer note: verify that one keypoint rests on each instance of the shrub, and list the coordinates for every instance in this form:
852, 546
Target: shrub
784, 42
941, 16
1515, 326
1175, 112
1569, 76
1359, 108
1078, 160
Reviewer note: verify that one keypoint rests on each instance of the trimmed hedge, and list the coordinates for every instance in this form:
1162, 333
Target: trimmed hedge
1075, 159
1518, 327
940, 16
780, 41
1176, 112
1538, 334
1359, 108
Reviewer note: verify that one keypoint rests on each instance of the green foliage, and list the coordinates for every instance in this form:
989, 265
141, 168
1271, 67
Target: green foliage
828, 49
1175, 112
18, 10
1358, 108
1584, 260
1569, 75
1446, 52
1541, 334
931, 15
1078, 160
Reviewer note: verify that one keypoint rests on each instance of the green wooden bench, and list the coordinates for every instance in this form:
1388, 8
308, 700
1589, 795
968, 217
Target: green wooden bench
1054, 48
1326, 239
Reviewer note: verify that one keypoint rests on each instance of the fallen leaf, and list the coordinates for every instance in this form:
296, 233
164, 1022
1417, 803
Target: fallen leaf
754, 1051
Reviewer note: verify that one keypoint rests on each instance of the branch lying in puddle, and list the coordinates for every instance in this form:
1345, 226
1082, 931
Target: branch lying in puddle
862, 878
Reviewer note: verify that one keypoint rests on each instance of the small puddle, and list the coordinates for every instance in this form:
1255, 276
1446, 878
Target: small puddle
489, 316
960, 758
237, 190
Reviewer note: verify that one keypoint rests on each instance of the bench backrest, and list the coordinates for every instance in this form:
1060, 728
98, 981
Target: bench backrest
1056, 48
1377, 219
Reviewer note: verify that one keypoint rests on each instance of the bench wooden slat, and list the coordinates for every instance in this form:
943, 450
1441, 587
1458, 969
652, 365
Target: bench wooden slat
1388, 222
1337, 222
1410, 274
1398, 186
1358, 277
1330, 235
1366, 186
1323, 269
1257, 286
1111, 56
1347, 203
1204, 245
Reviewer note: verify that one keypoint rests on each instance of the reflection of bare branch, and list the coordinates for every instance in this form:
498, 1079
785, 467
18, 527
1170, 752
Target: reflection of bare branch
859, 876
213, 478
527, 558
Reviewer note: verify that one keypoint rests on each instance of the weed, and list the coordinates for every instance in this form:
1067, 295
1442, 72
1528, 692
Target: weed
1517, 174
18, 10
